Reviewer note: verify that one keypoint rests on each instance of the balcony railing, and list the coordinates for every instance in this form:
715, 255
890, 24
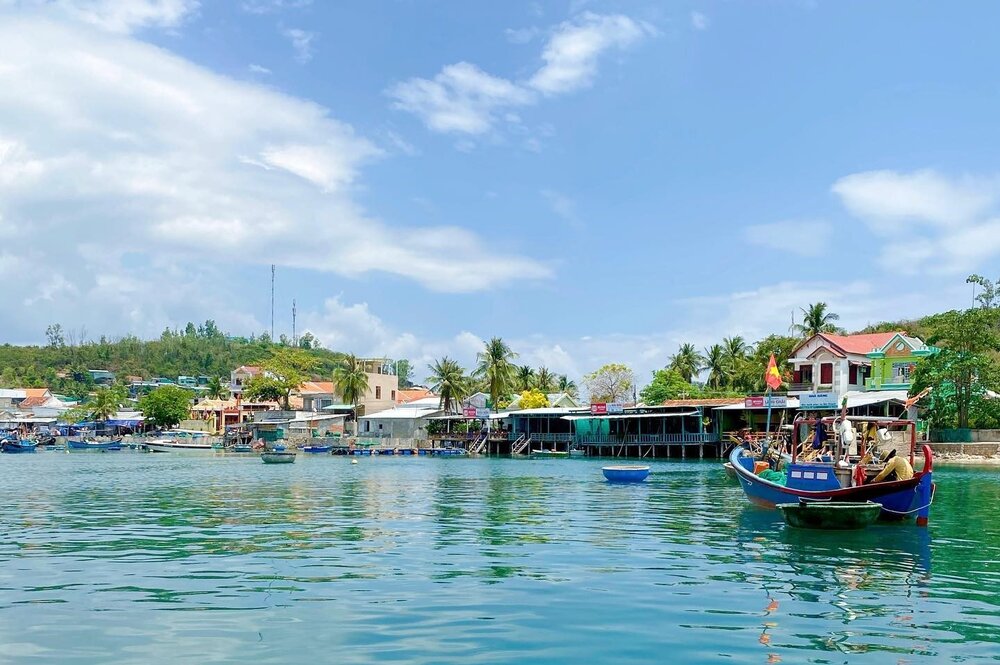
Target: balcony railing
896, 383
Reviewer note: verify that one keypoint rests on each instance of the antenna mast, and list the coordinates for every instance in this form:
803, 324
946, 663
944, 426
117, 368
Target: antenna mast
295, 340
272, 303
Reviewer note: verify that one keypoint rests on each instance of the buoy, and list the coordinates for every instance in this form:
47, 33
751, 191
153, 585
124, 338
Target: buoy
354, 461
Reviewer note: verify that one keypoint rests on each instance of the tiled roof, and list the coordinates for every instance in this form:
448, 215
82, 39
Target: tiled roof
412, 394
709, 401
860, 344
37, 392
34, 400
321, 387
249, 369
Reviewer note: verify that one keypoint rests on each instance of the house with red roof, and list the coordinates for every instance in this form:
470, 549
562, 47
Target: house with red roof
840, 363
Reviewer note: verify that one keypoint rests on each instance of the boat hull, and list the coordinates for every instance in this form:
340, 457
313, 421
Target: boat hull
95, 445
17, 447
836, 516
315, 450
899, 499
277, 458
179, 448
625, 473
549, 453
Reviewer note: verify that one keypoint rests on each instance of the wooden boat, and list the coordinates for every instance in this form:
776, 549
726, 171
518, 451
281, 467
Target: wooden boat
831, 482
178, 446
242, 448
91, 444
317, 449
17, 446
830, 515
277, 457
730, 471
625, 473
549, 453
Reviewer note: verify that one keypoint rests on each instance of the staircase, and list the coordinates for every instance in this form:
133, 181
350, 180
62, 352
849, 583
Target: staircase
520, 445
479, 445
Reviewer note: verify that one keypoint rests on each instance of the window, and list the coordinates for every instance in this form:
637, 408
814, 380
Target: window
393, 395
826, 373
807, 373
852, 375
378, 392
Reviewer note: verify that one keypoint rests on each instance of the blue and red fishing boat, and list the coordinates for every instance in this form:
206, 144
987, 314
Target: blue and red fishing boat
837, 475
17, 446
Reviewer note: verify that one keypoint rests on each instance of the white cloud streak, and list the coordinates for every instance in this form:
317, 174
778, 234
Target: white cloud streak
302, 43
120, 16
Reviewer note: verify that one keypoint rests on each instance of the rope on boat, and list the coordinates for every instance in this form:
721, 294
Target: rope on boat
914, 510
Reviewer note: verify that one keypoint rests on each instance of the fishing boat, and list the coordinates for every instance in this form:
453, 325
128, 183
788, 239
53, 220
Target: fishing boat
317, 450
17, 446
829, 515
169, 445
730, 471
549, 453
839, 477
242, 448
93, 444
625, 473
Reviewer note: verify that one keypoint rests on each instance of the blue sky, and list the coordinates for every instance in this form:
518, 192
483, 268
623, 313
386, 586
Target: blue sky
594, 181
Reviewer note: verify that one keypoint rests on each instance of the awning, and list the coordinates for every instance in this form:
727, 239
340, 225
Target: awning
624, 416
792, 403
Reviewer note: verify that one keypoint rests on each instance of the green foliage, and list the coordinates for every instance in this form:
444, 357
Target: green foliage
816, 319
263, 388
404, 373
524, 378
448, 380
351, 379
611, 383
215, 388
533, 399
166, 406
545, 380
989, 295
668, 383
964, 368
565, 385
106, 401
687, 362
495, 367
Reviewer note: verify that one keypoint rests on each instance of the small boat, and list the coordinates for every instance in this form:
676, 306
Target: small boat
192, 445
448, 451
17, 446
242, 448
277, 457
730, 471
830, 515
317, 449
91, 444
550, 453
625, 473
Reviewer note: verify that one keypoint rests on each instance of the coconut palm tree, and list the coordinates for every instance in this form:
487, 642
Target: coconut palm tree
545, 380
215, 389
496, 368
816, 319
105, 404
351, 379
687, 362
525, 378
715, 363
566, 386
448, 380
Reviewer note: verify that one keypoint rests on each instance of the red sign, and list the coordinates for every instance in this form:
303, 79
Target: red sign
753, 402
600, 409
469, 412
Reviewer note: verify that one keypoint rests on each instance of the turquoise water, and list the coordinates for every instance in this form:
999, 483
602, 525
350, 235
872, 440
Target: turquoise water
130, 558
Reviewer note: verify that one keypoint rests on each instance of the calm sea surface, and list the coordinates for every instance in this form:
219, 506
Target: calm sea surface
131, 558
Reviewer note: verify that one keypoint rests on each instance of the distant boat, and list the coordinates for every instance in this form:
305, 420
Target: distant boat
277, 457
176, 446
317, 449
550, 453
625, 473
242, 448
90, 444
17, 446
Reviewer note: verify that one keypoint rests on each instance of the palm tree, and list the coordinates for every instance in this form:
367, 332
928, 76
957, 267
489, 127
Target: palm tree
448, 380
687, 362
215, 389
715, 363
815, 319
496, 368
351, 379
567, 386
734, 352
545, 380
105, 403
525, 378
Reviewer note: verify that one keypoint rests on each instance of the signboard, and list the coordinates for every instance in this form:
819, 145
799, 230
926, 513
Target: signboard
616, 408
598, 409
469, 412
819, 401
761, 402
483, 414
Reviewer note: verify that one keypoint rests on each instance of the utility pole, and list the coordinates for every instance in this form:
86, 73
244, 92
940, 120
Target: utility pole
272, 303
295, 340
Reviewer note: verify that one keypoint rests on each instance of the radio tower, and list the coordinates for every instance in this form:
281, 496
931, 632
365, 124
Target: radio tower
272, 303
295, 340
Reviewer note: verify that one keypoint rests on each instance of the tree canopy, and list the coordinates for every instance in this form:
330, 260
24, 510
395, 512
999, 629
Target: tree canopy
611, 383
166, 406
533, 399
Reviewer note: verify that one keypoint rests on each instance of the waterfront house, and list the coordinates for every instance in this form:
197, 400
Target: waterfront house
403, 421
317, 395
239, 377
894, 362
102, 377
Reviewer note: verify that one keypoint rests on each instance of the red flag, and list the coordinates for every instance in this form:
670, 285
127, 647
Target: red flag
773, 376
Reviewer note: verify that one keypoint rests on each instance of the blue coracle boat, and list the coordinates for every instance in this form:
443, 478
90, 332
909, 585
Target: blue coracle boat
17, 446
825, 481
84, 444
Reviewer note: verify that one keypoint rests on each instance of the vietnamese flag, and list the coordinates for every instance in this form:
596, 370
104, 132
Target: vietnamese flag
773, 377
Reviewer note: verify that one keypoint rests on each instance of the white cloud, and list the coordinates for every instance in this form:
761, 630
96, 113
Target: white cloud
929, 222
800, 237
115, 144
571, 53
521, 35
302, 42
699, 21
888, 197
120, 16
462, 98
258, 69
272, 6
